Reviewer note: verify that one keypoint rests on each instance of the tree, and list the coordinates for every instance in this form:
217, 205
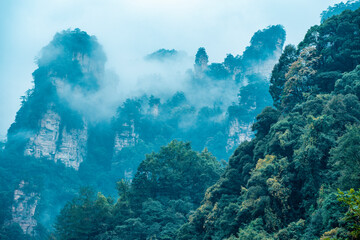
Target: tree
351, 199
264, 121
84, 217
277, 80
346, 158
300, 79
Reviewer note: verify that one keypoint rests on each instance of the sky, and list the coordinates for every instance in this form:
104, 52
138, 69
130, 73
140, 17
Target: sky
131, 29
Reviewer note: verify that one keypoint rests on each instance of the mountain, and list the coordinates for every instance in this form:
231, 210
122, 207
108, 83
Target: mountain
293, 169
283, 183
162, 55
48, 141
204, 113
339, 8
65, 137
295, 179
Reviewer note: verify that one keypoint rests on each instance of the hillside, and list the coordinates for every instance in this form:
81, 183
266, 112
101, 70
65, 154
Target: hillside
283, 183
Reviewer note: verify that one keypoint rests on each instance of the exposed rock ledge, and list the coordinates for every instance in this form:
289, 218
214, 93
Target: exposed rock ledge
70, 149
238, 133
23, 208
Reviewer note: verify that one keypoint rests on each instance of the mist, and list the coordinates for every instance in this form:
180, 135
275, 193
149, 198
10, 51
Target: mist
129, 30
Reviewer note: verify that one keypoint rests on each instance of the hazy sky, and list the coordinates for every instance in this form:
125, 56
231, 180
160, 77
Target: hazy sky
130, 29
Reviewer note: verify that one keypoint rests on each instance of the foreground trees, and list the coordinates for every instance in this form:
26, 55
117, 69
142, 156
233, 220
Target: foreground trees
166, 188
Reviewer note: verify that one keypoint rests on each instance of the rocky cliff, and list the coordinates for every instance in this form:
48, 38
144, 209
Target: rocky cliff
238, 133
51, 127
24, 207
50, 142
126, 138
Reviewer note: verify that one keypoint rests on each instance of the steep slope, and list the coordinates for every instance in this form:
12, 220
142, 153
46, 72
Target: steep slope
48, 140
47, 123
216, 109
59, 143
282, 184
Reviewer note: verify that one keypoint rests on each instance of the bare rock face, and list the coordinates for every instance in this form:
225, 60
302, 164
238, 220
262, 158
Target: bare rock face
238, 133
24, 207
155, 110
43, 144
70, 149
127, 138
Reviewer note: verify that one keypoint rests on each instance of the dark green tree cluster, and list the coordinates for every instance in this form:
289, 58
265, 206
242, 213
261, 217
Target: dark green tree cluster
339, 8
283, 184
264, 43
327, 51
167, 186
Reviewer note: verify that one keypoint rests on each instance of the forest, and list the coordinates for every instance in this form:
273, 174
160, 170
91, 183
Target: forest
273, 155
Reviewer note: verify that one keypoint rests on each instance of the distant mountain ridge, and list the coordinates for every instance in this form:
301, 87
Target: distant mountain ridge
339, 8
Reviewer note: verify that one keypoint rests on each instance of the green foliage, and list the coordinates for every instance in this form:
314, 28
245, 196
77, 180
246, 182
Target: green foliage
320, 63
278, 79
349, 83
60, 60
346, 158
13, 232
264, 120
339, 8
175, 172
282, 184
84, 217
253, 230
166, 188
264, 43
351, 199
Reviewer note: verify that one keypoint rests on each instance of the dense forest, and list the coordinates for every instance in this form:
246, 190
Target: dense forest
284, 183
273, 153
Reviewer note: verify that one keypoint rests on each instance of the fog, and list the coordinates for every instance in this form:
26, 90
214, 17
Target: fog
129, 30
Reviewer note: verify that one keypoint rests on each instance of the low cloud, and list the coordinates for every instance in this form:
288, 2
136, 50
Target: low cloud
138, 28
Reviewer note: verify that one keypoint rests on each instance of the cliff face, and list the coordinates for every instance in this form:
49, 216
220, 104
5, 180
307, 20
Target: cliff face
70, 67
43, 143
51, 126
238, 133
68, 147
72, 149
126, 138
155, 110
24, 207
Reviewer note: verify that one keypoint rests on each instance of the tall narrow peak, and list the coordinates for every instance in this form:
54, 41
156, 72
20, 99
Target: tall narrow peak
49, 123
